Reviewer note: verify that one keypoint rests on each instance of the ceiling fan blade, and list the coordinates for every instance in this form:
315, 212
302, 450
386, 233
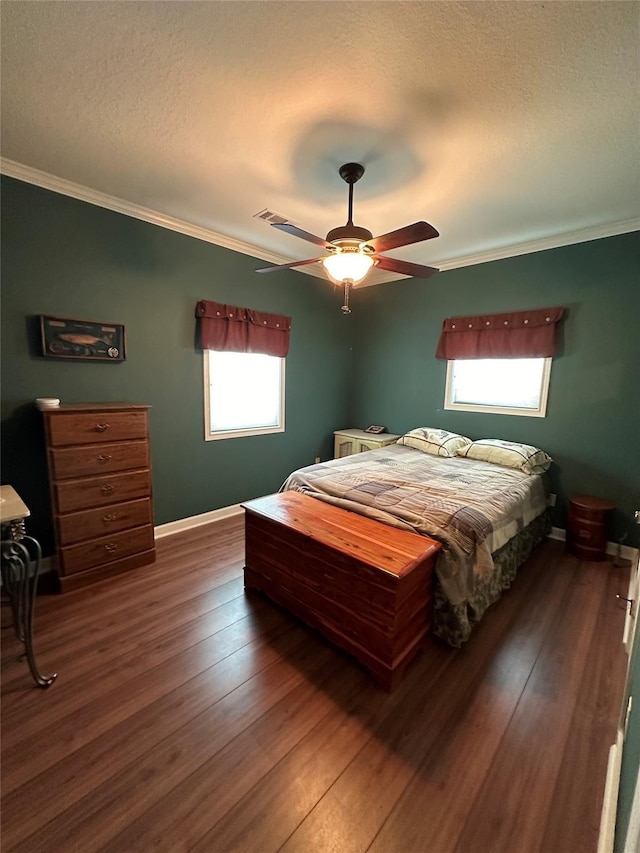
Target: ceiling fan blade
289, 266
403, 236
298, 232
405, 267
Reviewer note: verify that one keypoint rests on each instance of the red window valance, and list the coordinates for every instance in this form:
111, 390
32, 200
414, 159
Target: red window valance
232, 329
519, 334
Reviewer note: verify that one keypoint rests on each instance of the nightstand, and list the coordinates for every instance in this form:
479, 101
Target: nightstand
349, 441
586, 527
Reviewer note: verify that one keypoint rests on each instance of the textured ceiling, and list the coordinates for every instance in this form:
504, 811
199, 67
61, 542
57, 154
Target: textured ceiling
501, 123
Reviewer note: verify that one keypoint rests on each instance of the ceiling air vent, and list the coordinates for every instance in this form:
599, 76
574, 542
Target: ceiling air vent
271, 217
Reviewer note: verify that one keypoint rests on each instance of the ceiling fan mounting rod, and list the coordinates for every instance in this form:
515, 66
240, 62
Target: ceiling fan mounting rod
350, 234
350, 216
351, 173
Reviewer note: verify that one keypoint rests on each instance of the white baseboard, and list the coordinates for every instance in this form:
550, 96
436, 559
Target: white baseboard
558, 533
193, 521
46, 565
236, 509
162, 530
189, 523
612, 547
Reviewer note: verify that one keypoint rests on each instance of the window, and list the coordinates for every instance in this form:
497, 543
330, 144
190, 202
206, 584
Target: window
243, 394
506, 386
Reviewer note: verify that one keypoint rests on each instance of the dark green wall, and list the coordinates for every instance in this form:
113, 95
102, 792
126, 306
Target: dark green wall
61, 256
593, 417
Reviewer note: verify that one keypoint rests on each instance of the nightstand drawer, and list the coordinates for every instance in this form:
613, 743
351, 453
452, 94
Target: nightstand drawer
99, 458
79, 526
73, 495
92, 427
77, 558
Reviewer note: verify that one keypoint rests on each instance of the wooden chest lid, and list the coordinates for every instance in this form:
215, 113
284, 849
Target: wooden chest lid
380, 545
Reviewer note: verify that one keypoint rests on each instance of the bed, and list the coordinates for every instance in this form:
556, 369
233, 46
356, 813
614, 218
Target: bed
487, 517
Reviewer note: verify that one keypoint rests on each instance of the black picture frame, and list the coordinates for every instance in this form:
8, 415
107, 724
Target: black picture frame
82, 340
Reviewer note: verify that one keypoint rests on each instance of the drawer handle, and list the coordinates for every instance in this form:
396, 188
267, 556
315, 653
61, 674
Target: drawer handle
111, 547
102, 427
104, 457
106, 488
109, 517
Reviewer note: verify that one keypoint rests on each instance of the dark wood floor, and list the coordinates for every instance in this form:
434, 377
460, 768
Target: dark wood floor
187, 716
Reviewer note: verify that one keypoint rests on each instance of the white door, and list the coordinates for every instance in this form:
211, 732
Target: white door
627, 835
627, 820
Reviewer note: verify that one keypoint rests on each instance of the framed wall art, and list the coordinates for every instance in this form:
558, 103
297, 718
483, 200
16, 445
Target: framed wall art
65, 337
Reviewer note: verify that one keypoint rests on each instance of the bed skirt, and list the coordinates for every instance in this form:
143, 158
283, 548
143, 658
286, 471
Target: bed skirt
454, 623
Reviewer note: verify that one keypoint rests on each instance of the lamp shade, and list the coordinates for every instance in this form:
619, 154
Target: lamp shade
348, 265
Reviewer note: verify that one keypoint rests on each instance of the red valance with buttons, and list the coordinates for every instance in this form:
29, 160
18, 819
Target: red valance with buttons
519, 334
229, 328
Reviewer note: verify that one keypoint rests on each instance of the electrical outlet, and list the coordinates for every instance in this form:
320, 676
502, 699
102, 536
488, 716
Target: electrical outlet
552, 499
636, 515
317, 460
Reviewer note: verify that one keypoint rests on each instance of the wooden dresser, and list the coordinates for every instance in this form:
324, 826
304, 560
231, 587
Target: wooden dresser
100, 476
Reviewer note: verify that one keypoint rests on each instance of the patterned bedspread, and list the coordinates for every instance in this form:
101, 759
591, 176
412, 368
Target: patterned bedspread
473, 508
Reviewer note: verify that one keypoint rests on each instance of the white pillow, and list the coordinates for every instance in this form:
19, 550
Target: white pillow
438, 442
511, 454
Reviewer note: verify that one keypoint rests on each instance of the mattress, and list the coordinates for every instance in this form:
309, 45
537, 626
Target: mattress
473, 508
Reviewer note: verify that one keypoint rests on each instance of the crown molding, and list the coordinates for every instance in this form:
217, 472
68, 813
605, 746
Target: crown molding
13, 169
553, 241
60, 185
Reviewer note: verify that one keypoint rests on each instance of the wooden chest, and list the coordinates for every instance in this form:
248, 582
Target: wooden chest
366, 586
100, 477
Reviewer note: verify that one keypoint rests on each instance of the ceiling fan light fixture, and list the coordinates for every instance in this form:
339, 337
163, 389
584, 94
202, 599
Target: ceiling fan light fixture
348, 264
354, 250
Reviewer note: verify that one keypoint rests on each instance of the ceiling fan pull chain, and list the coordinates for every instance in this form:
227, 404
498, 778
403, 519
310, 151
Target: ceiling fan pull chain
347, 287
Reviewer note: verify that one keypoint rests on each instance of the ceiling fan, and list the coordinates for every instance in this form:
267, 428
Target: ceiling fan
354, 250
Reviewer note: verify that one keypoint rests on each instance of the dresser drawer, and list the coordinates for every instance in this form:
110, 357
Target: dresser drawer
88, 555
99, 458
90, 427
78, 526
72, 495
